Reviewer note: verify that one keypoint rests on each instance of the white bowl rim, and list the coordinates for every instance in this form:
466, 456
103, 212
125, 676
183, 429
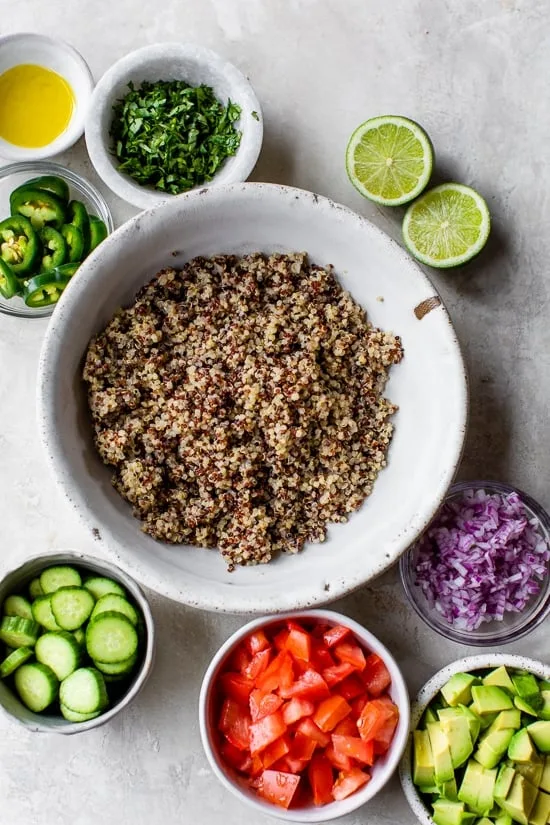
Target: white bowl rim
75, 129
427, 693
240, 602
75, 557
122, 185
363, 795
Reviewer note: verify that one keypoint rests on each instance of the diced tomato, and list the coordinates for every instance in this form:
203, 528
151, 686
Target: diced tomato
275, 751
296, 709
376, 675
263, 704
300, 667
383, 738
375, 716
236, 686
348, 782
347, 727
337, 673
294, 624
257, 641
319, 629
280, 639
320, 656
278, 787
298, 644
320, 775
277, 675
339, 760
355, 748
240, 658
256, 766
288, 764
236, 758
308, 728
235, 724
350, 653
310, 685
331, 711
335, 635
266, 731
303, 747
352, 687
357, 706
258, 664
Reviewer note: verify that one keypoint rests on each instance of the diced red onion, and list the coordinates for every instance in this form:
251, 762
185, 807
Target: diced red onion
480, 558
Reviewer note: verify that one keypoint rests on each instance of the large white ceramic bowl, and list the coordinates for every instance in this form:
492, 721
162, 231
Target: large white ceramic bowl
429, 386
171, 61
484, 661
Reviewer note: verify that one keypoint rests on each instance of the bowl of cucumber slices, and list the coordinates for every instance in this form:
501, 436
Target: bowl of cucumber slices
479, 748
76, 642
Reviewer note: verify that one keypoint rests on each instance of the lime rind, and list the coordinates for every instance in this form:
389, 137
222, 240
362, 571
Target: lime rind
389, 159
447, 226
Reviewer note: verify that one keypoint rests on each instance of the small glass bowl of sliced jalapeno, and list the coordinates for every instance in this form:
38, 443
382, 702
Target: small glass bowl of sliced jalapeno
51, 219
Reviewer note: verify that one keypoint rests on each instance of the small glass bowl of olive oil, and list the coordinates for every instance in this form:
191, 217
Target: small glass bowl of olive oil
45, 89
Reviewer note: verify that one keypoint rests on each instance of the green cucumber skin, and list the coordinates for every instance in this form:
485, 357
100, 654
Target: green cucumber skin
117, 604
102, 586
90, 679
42, 613
37, 686
18, 632
17, 606
14, 660
53, 578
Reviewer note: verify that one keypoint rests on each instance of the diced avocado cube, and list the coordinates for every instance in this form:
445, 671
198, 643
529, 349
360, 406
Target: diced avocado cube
544, 781
544, 684
484, 821
525, 684
449, 790
423, 762
544, 711
540, 734
532, 770
461, 710
505, 777
443, 764
500, 678
477, 788
503, 819
487, 720
457, 731
507, 720
429, 790
486, 796
492, 747
430, 715
520, 800
526, 707
490, 699
521, 748
447, 812
458, 690
541, 810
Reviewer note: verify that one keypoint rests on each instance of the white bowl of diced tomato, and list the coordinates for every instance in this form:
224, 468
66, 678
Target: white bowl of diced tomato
304, 716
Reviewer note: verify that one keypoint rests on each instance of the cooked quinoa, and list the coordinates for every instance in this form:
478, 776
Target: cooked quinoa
240, 403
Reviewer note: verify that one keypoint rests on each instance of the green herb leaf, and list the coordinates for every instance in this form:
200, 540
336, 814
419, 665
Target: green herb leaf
173, 136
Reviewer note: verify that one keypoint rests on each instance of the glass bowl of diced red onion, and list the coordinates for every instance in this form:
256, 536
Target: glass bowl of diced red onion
479, 574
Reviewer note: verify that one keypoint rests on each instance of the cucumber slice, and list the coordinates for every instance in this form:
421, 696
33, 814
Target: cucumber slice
60, 651
35, 589
71, 606
117, 668
84, 691
55, 577
100, 586
18, 606
18, 632
42, 613
37, 686
118, 604
80, 636
73, 716
14, 660
111, 638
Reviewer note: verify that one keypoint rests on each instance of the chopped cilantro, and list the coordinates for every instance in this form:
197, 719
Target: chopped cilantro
255, 115
173, 136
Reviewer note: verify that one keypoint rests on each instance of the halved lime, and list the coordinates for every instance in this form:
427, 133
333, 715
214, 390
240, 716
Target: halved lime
447, 226
389, 159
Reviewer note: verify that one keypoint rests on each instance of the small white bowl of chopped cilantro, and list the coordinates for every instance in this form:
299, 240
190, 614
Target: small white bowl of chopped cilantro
169, 118
479, 573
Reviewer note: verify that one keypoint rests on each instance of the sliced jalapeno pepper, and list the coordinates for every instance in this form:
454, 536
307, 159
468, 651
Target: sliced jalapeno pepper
98, 232
54, 248
48, 183
79, 217
67, 270
9, 285
19, 245
74, 240
45, 290
39, 206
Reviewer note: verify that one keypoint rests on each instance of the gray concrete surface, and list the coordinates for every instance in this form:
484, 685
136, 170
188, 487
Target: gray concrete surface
476, 75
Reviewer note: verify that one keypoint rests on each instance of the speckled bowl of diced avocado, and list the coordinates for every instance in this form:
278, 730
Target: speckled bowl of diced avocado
479, 746
76, 642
